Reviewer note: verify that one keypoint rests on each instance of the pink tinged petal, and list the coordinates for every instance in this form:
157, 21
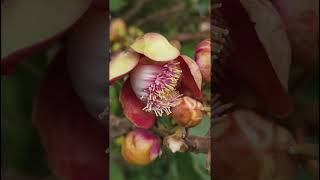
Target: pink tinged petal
249, 146
204, 45
250, 65
156, 47
74, 142
272, 36
28, 26
132, 108
191, 75
203, 59
301, 19
156, 148
87, 50
142, 77
121, 64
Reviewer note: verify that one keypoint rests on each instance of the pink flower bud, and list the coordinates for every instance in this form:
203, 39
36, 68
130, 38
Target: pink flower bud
203, 59
117, 29
141, 147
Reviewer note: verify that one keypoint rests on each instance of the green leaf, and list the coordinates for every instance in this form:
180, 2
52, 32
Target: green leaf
201, 129
188, 49
116, 171
188, 3
302, 175
115, 5
165, 122
312, 88
203, 7
115, 106
199, 162
22, 144
185, 166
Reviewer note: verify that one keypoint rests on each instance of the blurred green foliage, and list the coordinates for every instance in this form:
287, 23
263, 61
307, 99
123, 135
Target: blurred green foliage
21, 148
115, 5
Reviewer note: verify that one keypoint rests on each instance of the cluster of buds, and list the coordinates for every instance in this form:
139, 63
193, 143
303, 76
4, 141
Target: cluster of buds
159, 82
121, 36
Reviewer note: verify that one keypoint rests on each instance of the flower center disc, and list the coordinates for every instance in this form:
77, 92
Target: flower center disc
156, 86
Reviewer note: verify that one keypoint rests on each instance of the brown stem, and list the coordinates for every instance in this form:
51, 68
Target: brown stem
160, 14
119, 126
161, 132
308, 151
198, 144
138, 5
189, 36
12, 175
312, 167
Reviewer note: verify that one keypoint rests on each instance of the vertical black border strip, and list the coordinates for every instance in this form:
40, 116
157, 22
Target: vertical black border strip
107, 81
212, 89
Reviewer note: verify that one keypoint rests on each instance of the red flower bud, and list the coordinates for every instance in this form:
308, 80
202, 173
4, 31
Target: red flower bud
203, 59
141, 147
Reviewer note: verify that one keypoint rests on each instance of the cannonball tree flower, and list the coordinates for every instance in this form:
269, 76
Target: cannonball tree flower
158, 77
71, 95
140, 147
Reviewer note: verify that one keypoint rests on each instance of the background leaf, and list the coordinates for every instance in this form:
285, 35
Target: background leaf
199, 162
116, 5
202, 129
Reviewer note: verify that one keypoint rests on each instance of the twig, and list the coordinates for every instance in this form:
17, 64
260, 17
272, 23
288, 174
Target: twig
135, 9
119, 126
189, 36
12, 175
308, 151
160, 14
198, 144
312, 167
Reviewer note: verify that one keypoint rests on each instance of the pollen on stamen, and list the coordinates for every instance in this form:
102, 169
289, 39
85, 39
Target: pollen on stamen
162, 95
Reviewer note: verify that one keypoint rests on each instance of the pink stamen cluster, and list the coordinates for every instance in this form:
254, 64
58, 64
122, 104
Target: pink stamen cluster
161, 95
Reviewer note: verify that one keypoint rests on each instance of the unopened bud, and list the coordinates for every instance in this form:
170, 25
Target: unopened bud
188, 112
203, 59
141, 147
